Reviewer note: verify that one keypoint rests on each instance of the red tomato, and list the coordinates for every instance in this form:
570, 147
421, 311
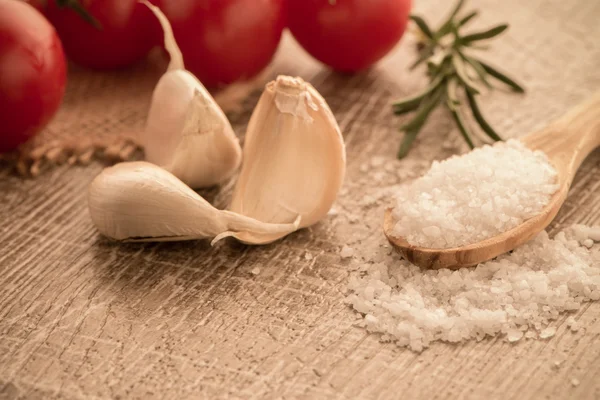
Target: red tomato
225, 40
129, 31
348, 35
33, 73
39, 4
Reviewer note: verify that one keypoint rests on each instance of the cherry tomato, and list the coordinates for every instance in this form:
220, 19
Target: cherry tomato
348, 35
225, 40
38, 4
33, 73
128, 31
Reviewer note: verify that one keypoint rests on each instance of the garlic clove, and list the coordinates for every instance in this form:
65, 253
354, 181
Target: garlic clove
139, 201
294, 159
186, 132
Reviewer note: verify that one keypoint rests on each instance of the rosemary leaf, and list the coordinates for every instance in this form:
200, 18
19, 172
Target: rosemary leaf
422, 26
407, 141
461, 71
425, 108
473, 46
412, 103
461, 126
412, 129
477, 67
479, 117
446, 27
467, 18
490, 33
451, 93
502, 77
425, 54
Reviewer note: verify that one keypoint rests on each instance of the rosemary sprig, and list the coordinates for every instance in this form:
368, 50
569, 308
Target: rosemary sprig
454, 74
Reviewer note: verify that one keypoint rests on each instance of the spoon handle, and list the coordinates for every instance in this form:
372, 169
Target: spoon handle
571, 138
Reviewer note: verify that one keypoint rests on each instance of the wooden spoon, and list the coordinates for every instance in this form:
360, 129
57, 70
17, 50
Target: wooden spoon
567, 142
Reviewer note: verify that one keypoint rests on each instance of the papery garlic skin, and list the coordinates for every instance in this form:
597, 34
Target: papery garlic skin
294, 158
186, 132
139, 201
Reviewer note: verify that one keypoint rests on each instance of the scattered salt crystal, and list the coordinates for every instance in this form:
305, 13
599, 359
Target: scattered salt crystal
370, 319
573, 324
588, 243
308, 256
432, 231
514, 335
255, 271
594, 233
547, 333
584, 233
333, 211
518, 294
368, 201
575, 382
485, 189
346, 252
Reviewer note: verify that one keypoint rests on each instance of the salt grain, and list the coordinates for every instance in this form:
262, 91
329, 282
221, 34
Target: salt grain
476, 196
573, 324
368, 201
575, 382
346, 252
517, 295
530, 335
255, 271
548, 332
514, 335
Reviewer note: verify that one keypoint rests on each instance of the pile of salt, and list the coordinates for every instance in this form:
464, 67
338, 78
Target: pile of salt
517, 294
469, 198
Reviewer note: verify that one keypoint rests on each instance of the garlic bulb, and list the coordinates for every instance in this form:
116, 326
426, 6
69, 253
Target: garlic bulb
139, 201
187, 133
294, 159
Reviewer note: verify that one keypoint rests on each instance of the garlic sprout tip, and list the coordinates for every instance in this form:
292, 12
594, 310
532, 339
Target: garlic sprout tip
169, 38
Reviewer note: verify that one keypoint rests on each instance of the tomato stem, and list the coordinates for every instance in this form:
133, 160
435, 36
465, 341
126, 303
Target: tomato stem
79, 9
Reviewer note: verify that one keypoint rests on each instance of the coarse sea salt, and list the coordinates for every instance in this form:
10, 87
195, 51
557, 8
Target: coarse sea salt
346, 252
469, 198
515, 295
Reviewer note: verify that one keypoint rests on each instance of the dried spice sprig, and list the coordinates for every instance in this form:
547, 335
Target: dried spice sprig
454, 73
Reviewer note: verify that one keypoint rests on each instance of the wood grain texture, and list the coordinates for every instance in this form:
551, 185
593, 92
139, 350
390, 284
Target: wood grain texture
81, 317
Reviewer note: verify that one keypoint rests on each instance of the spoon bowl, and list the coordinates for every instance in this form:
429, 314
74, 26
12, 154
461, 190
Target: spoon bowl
566, 142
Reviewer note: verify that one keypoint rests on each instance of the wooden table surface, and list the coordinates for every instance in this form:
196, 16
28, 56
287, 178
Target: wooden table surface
81, 317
